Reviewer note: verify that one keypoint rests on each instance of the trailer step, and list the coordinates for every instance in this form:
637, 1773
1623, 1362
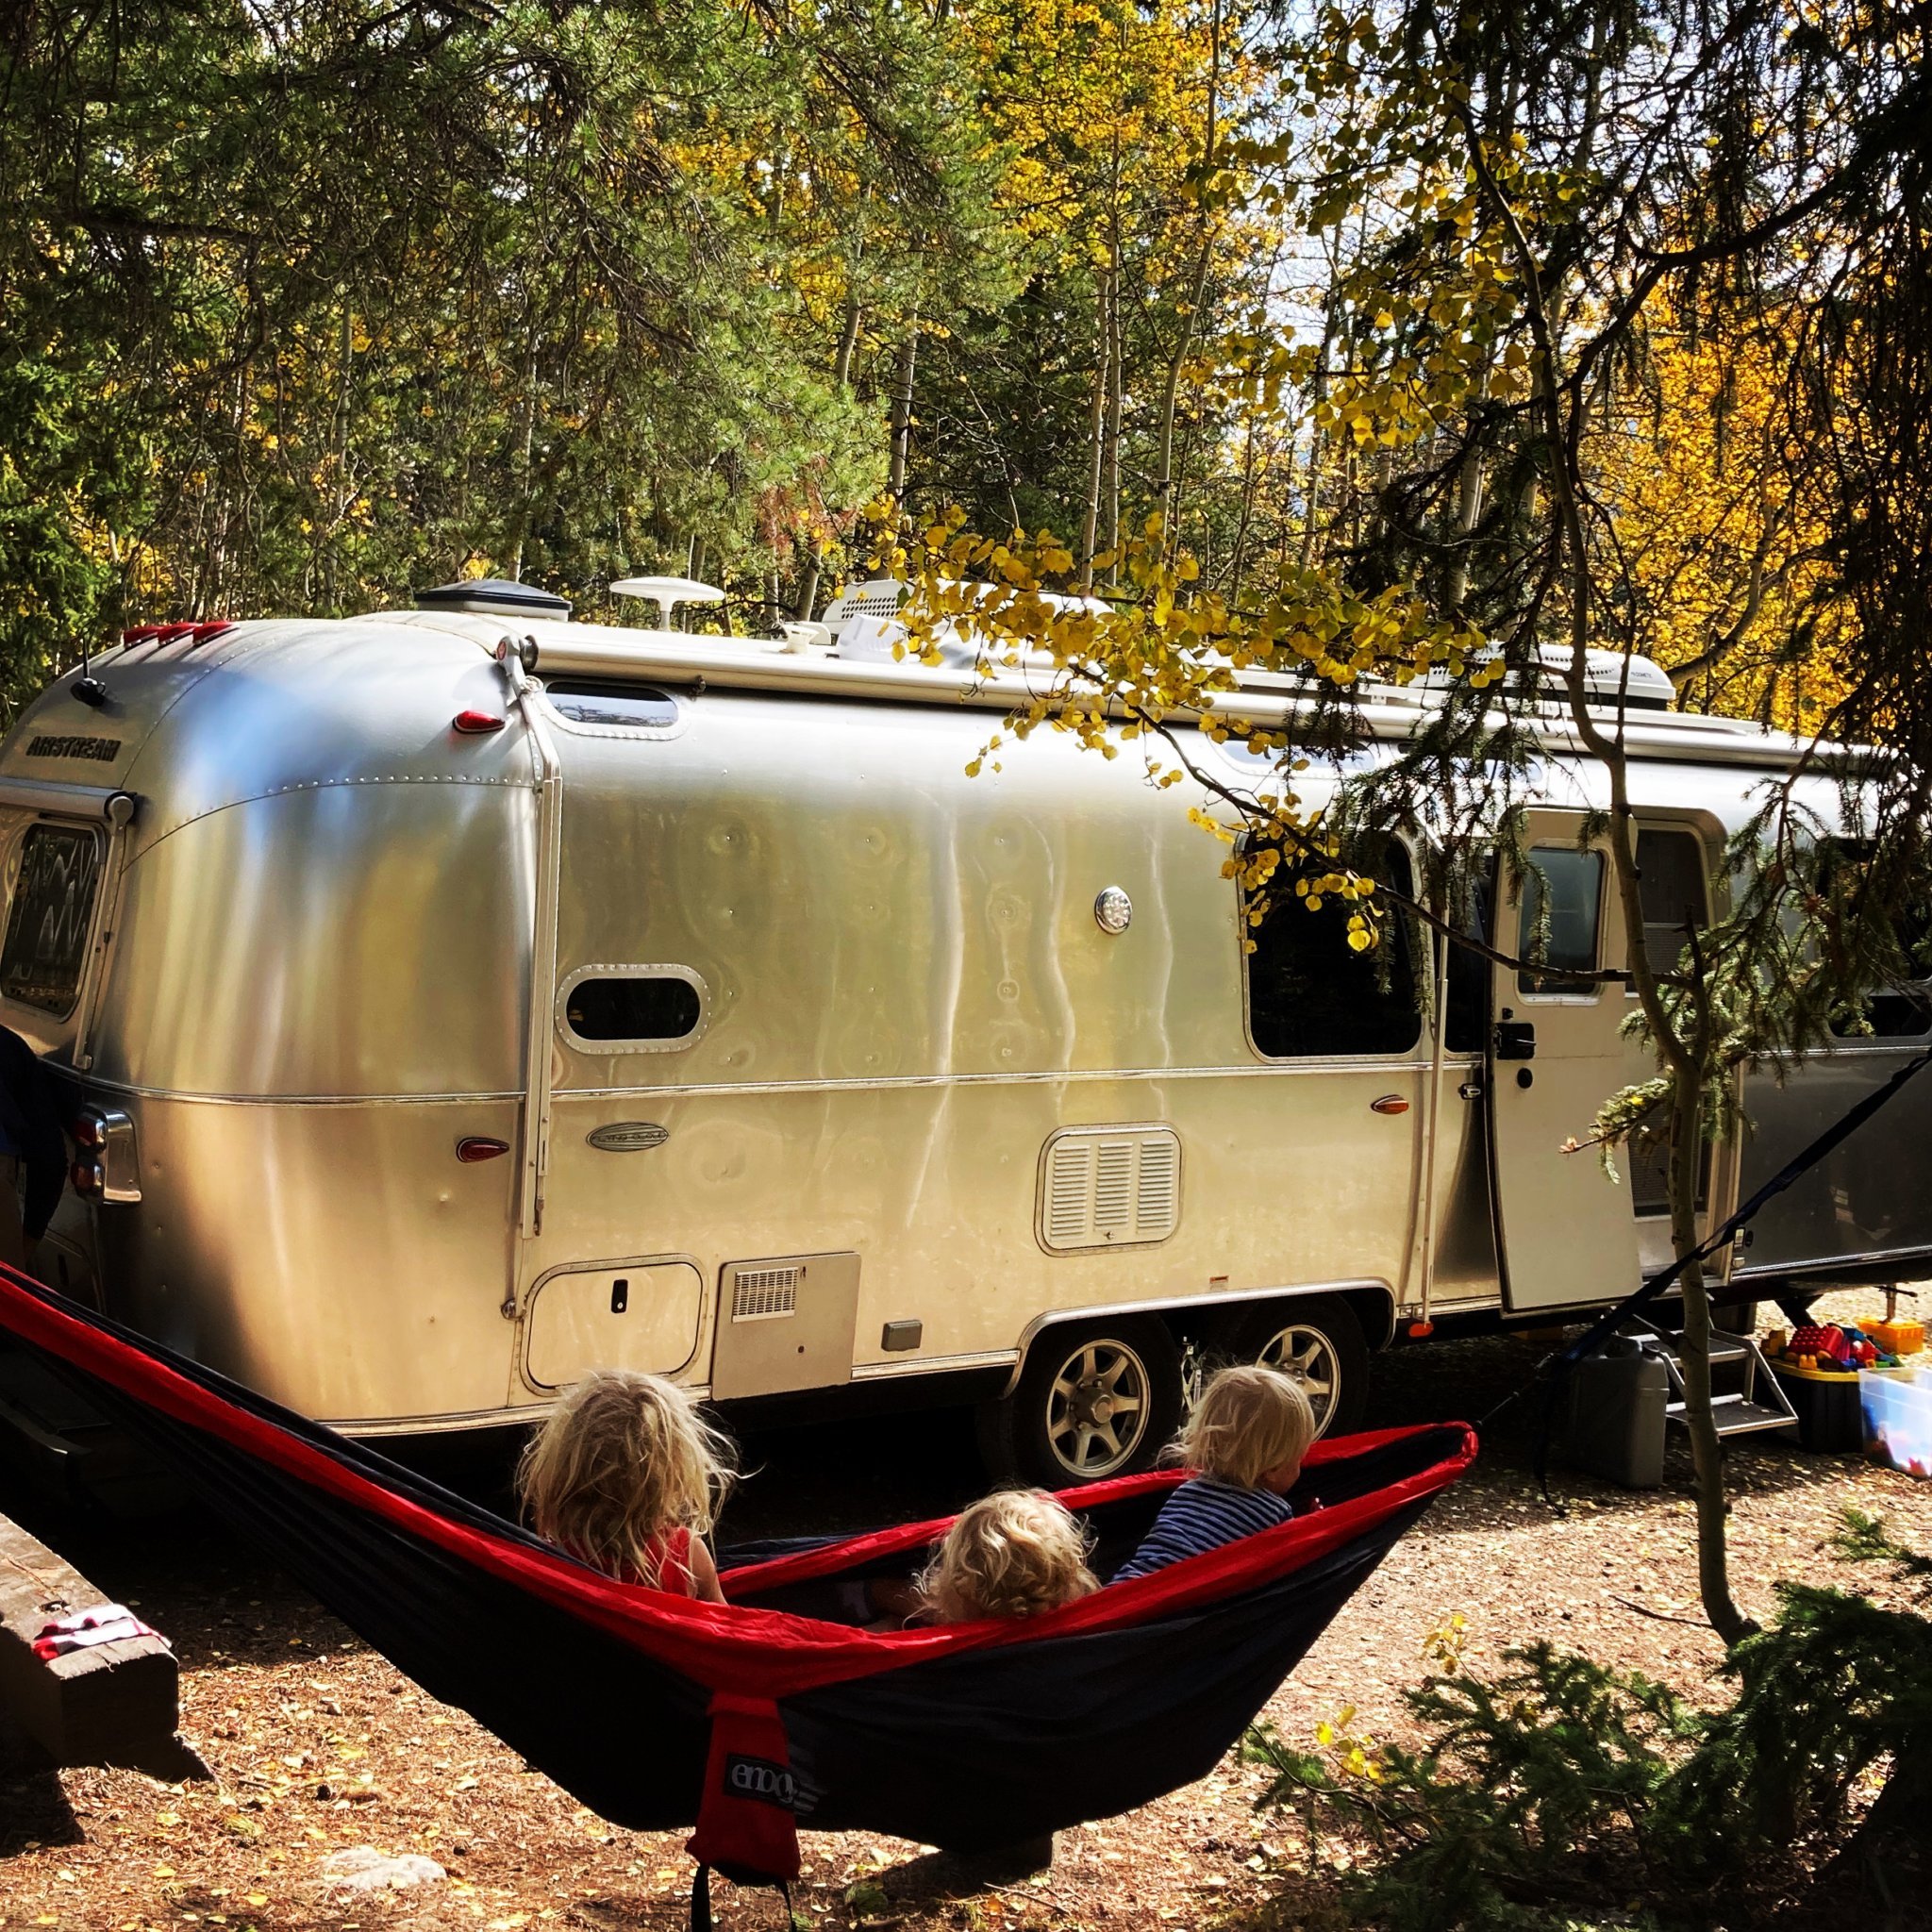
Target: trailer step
1756, 1407
1734, 1416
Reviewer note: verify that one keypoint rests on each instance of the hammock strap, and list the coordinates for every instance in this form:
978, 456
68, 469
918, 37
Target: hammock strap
1793, 1169
1552, 1371
701, 1920
747, 1815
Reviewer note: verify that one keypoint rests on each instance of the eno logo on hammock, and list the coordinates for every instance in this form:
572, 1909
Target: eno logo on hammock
759, 1778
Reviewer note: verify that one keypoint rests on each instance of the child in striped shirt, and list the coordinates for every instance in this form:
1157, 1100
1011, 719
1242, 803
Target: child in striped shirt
1243, 1449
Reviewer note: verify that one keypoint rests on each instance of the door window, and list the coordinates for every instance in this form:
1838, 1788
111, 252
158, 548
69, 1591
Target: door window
1670, 866
1562, 908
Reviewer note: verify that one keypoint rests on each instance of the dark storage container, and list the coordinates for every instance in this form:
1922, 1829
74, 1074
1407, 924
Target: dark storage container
1830, 1416
1615, 1421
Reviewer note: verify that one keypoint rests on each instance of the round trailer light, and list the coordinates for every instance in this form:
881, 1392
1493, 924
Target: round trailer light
1113, 912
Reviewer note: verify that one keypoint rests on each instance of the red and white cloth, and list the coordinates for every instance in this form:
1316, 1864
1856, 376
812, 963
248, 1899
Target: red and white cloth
84, 1629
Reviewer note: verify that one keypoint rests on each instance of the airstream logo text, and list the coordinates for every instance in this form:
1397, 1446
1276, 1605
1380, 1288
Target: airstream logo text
759, 1778
627, 1137
102, 750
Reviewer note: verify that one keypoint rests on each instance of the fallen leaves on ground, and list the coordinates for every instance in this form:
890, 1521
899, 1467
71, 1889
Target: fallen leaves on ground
318, 1744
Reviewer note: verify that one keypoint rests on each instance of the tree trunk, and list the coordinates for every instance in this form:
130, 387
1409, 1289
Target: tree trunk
848, 341
1171, 395
1096, 431
842, 377
1331, 322
1238, 563
1707, 1448
808, 586
1169, 400
1686, 1060
1469, 509
340, 441
526, 453
902, 413
1116, 401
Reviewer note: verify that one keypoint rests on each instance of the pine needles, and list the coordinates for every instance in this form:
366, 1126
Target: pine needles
1557, 1788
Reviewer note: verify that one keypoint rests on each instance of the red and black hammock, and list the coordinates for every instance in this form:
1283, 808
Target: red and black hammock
751, 1720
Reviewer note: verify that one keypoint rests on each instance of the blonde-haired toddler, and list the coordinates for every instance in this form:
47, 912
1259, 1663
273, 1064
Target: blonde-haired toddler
1243, 1449
1011, 1555
628, 1477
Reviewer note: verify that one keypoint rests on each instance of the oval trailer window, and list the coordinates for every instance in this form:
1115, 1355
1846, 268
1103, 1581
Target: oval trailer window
644, 1009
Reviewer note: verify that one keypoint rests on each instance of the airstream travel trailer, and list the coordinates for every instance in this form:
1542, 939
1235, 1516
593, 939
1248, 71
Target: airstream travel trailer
456, 998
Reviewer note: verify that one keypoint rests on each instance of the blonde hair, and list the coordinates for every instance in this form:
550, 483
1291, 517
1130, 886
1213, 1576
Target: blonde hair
1249, 1418
1011, 1555
623, 1458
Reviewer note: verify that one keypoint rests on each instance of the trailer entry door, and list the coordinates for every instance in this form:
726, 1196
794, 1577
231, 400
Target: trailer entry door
1565, 1236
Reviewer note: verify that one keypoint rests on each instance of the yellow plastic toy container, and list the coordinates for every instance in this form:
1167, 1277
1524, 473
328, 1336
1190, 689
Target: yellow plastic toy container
1900, 1337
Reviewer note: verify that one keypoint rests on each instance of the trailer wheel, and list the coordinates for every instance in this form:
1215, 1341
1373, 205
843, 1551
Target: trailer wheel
1319, 1341
1095, 1399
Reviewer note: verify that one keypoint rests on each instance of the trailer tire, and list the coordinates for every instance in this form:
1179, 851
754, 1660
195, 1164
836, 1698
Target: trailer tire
1066, 1420
1322, 1338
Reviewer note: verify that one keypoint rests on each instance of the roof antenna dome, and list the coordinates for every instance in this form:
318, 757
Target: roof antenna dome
667, 593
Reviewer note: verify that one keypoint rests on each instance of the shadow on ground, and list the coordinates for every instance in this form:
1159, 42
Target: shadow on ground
221, 1602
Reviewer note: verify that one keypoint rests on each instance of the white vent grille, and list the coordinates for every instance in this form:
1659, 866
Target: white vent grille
1110, 1187
757, 1294
878, 598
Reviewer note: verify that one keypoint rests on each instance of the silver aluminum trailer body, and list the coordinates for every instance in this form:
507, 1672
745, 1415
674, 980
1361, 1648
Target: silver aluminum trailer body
806, 1060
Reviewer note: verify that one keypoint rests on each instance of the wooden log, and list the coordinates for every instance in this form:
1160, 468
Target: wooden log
113, 1704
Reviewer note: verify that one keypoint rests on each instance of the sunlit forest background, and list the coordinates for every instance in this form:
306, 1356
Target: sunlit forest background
305, 303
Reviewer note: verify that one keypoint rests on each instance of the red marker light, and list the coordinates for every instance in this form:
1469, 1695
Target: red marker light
86, 1177
476, 723
1419, 1331
85, 1133
475, 1148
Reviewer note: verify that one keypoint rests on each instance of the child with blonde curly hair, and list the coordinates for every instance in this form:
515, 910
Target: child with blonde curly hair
1011, 1555
1242, 1448
628, 1476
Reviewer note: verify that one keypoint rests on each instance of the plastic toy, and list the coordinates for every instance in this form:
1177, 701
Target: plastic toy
1826, 1341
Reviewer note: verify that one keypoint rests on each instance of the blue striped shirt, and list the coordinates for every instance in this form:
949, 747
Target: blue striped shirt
1201, 1515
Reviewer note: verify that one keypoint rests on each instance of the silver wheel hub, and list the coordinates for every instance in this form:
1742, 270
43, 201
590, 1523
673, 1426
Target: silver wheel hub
1096, 1409
1310, 1357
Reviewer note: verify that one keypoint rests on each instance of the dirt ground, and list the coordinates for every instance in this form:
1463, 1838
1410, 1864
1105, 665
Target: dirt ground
317, 1744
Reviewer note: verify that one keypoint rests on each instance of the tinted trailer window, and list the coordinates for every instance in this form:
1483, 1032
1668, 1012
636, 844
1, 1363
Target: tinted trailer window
45, 949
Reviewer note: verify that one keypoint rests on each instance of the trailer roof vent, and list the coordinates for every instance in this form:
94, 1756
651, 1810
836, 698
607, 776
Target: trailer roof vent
879, 597
493, 597
1643, 684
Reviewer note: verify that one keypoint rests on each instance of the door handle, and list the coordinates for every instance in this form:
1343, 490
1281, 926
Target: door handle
1515, 1040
